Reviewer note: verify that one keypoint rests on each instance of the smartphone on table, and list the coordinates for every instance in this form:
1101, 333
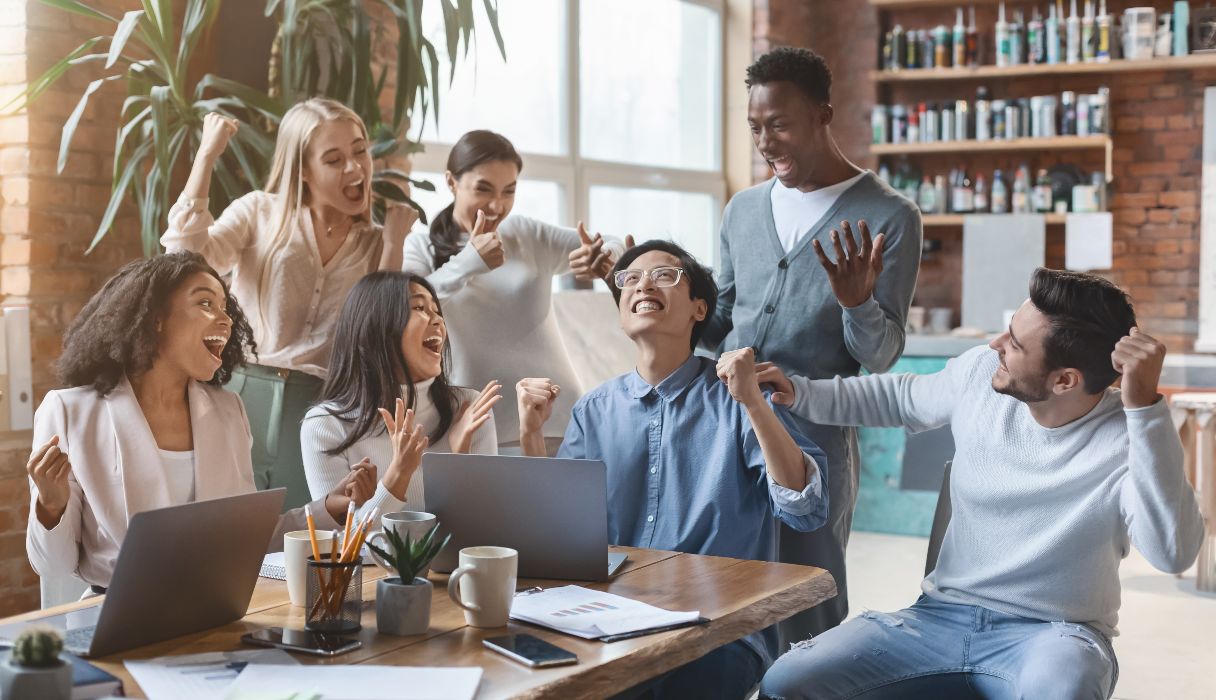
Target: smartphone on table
306, 641
530, 651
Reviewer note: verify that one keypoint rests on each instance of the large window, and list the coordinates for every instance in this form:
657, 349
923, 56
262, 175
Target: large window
615, 106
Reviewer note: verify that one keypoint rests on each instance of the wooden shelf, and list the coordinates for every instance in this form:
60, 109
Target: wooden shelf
957, 219
1055, 143
919, 75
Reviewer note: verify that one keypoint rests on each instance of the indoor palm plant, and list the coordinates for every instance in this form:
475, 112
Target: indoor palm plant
321, 48
403, 603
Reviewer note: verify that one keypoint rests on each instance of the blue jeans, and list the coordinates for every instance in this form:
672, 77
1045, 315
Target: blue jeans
941, 650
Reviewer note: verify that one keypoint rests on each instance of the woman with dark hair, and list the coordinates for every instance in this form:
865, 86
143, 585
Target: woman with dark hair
389, 363
146, 423
495, 272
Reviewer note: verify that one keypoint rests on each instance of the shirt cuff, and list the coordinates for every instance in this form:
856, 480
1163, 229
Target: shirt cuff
384, 500
193, 204
798, 502
470, 260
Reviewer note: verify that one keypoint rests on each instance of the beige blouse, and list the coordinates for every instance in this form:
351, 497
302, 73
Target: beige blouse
302, 296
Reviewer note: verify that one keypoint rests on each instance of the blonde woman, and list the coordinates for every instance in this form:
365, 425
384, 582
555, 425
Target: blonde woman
294, 250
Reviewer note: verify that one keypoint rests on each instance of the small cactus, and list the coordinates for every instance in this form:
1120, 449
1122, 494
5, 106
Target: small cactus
37, 647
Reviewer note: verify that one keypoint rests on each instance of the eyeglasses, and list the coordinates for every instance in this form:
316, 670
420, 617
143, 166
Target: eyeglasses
661, 276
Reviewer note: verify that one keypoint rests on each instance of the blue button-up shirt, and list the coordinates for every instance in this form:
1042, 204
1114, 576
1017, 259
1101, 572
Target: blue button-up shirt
685, 469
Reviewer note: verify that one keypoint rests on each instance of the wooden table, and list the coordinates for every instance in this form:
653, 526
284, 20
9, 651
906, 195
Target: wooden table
739, 597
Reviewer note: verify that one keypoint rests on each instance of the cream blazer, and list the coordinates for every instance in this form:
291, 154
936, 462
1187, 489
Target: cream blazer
117, 472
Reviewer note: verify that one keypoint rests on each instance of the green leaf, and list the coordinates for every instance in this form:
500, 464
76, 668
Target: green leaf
50, 77
69, 126
255, 99
492, 14
121, 141
122, 34
388, 190
384, 148
423, 184
118, 191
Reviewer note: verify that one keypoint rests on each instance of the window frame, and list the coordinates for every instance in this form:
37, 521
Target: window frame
576, 175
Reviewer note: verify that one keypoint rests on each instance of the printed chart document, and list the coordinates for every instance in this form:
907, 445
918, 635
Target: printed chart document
362, 682
591, 614
201, 676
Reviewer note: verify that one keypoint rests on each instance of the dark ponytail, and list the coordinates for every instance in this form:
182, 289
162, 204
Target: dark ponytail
473, 149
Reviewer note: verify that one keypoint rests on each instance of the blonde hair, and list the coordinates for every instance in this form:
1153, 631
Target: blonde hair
286, 179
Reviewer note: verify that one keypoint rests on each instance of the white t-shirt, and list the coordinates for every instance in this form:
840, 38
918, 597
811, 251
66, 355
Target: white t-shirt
179, 474
796, 212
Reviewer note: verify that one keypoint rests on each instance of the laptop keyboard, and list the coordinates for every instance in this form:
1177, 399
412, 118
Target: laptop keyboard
79, 639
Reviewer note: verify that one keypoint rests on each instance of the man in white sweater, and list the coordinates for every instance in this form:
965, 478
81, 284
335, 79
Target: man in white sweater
1055, 474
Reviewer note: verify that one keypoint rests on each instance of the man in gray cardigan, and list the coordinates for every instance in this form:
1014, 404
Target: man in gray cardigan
781, 294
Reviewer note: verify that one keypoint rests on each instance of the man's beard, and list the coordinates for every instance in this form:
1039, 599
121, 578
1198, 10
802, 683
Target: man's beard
1031, 390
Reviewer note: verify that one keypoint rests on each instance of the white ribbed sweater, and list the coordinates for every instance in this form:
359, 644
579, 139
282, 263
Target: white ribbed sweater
322, 431
1041, 516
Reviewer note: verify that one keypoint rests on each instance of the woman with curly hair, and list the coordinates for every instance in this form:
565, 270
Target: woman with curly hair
146, 422
294, 250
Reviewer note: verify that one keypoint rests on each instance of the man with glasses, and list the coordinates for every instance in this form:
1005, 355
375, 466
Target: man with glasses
801, 289
698, 459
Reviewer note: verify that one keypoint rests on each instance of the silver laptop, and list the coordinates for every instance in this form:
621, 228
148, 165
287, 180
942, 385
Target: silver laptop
554, 512
180, 570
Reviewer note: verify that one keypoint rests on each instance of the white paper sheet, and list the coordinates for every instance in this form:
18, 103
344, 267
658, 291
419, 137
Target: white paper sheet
1088, 241
201, 676
362, 682
590, 614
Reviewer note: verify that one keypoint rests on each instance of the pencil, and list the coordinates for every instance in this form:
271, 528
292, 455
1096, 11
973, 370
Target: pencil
350, 515
312, 532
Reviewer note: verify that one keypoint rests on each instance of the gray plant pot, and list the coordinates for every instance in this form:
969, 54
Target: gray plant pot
403, 609
22, 683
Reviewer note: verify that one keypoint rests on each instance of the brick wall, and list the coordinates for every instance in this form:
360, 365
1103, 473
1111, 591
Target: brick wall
46, 222
1157, 134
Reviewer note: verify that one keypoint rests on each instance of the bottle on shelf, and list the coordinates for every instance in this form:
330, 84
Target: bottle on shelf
1051, 33
998, 119
1001, 36
1042, 192
1087, 33
947, 120
878, 124
899, 48
913, 127
1017, 40
962, 120
983, 115
1102, 29
1000, 195
941, 46
959, 40
884, 173
1021, 191
980, 203
962, 198
899, 124
1072, 31
1068, 113
941, 194
973, 42
926, 197
929, 126
1035, 45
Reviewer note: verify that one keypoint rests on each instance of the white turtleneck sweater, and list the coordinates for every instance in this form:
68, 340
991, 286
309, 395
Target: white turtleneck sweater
322, 431
1041, 516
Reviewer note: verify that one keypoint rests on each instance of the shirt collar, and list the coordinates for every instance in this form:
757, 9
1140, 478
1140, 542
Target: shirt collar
671, 387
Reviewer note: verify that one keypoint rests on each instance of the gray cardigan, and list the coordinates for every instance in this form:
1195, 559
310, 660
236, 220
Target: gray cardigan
781, 303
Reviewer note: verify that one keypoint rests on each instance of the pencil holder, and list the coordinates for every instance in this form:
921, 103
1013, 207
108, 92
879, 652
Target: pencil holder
335, 596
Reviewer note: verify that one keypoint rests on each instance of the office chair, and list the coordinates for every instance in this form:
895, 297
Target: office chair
941, 518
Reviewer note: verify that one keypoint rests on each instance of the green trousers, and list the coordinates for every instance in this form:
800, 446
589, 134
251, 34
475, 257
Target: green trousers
276, 401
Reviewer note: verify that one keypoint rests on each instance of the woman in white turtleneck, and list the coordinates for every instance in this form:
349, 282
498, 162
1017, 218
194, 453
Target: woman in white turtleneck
381, 343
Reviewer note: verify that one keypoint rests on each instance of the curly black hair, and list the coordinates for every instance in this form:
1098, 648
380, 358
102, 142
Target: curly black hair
115, 333
802, 67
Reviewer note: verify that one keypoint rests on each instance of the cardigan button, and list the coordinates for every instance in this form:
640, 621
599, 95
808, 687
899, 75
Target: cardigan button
783, 264
769, 309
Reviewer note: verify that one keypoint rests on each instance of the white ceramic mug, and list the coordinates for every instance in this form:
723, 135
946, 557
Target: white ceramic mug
488, 575
414, 523
297, 548
916, 319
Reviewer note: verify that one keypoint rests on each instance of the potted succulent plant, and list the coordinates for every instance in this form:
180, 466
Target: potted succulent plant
403, 602
33, 670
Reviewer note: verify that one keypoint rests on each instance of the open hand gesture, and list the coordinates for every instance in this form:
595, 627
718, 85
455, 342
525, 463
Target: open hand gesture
472, 416
409, 442
48, 468
590, 260
487, 243
854, 273
1138, 357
